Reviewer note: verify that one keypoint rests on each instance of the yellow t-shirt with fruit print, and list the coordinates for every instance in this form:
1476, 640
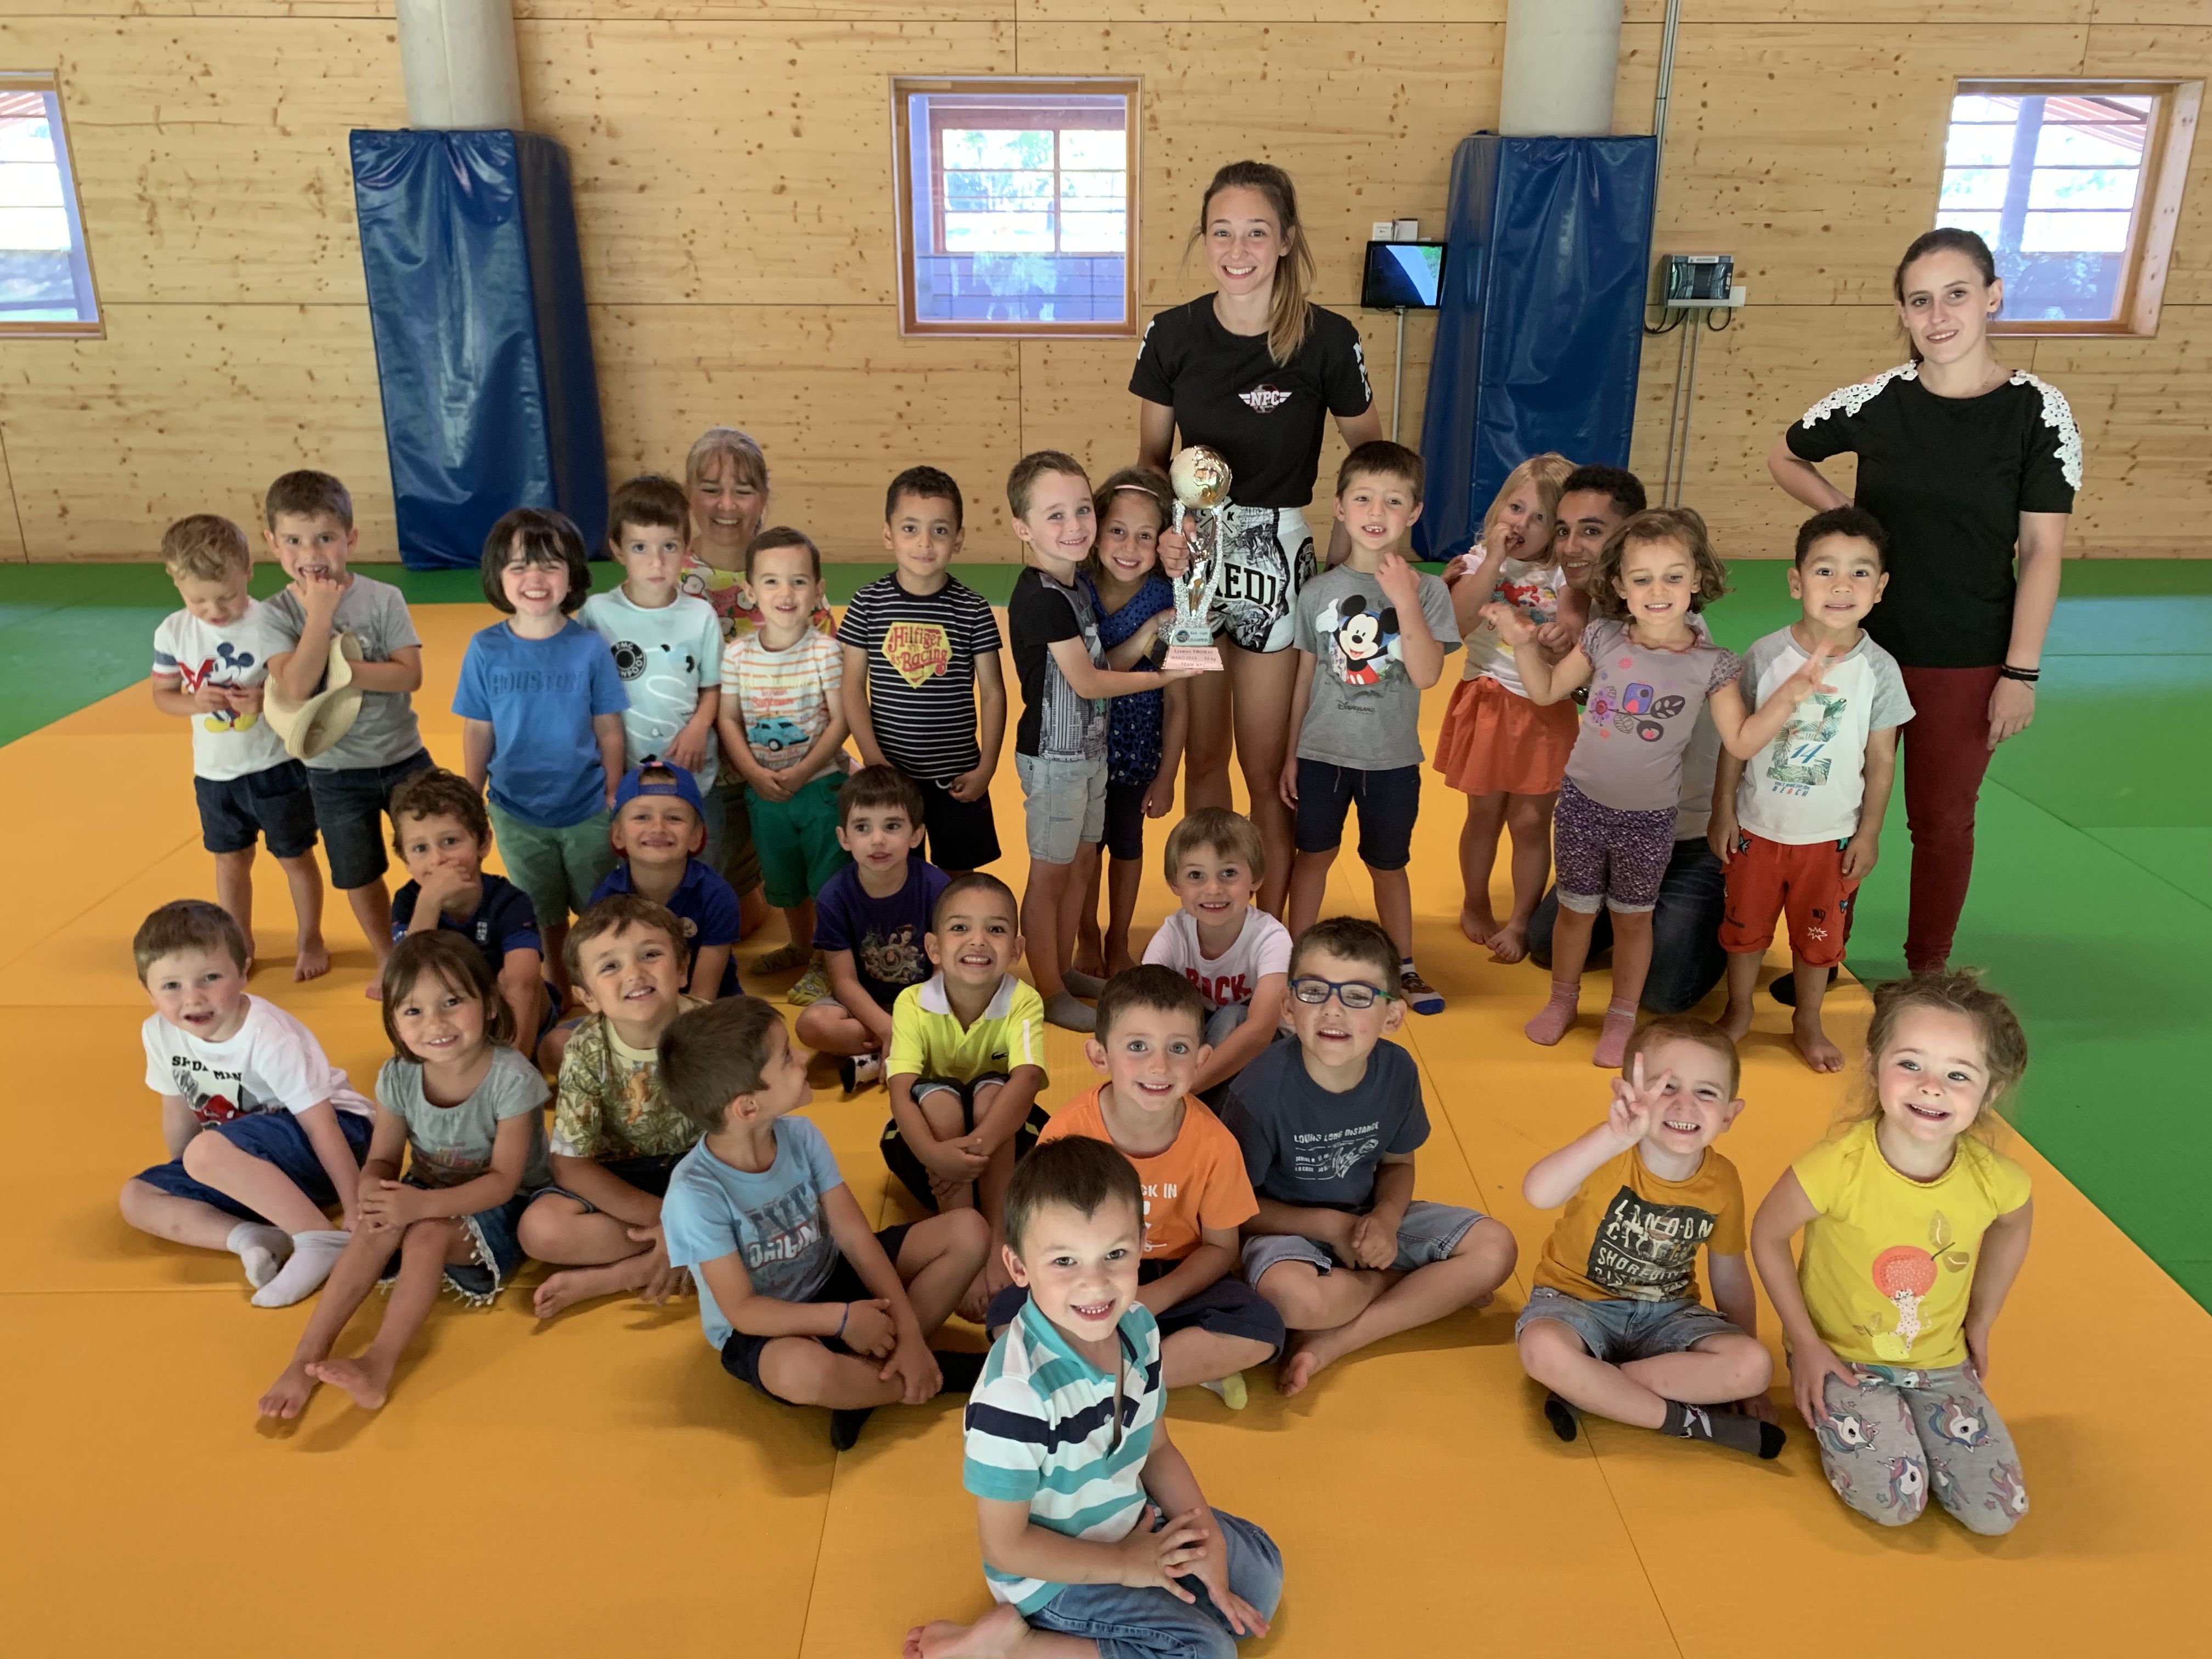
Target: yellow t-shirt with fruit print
732, 597
1888, 1263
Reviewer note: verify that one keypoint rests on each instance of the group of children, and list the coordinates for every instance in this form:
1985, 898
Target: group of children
1237, 1186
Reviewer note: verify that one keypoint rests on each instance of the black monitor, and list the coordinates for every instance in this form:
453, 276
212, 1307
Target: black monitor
1402, 275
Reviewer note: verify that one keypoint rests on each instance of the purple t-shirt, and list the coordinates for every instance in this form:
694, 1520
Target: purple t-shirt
1643, 707
884, 935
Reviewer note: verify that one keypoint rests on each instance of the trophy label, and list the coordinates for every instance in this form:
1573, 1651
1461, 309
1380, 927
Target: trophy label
1204, 659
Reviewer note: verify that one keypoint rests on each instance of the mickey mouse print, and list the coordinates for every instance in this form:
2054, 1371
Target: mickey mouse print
1363, 711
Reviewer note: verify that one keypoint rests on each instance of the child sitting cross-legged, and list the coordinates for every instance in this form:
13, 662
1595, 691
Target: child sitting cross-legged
615, 1139
264, 1134
1329, 1126
869, 921
1237, 954
463, 1106
1096, 1538
1613, 1324
800, 1299
1151, 1043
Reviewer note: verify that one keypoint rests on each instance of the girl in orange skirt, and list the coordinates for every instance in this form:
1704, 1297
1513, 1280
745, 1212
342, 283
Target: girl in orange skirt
1503, 752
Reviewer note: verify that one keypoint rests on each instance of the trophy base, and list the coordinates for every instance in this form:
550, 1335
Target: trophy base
1202, 659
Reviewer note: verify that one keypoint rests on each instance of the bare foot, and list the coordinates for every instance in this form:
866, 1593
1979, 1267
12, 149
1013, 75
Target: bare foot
374, 989
313, 960
1736, 1021
571, 1285
369, 1385
1090, 961
1120, 962
1820, 1054
975, 1301
1306, 1354
287, 1394
1479, 928
1509, 943
996, 1634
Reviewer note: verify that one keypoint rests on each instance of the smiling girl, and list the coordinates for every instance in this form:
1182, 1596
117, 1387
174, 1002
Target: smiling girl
1915, 1228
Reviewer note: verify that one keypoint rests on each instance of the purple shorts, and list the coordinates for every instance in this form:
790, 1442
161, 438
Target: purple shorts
1608, 856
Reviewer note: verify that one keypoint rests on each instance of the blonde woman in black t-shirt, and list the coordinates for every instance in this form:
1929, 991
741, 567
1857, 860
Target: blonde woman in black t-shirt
1971, 469
1252, 370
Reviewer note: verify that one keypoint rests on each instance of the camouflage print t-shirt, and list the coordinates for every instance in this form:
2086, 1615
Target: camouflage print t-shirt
610, 1103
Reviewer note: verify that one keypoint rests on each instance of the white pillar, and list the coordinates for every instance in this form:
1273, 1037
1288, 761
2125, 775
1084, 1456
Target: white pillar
1561, 56
457, 59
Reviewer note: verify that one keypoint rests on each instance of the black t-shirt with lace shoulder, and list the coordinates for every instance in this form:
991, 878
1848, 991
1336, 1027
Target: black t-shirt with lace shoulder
1948, 478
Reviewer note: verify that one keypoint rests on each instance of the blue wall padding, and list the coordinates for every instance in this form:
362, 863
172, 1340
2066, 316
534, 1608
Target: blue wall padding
1540, 327
483, 351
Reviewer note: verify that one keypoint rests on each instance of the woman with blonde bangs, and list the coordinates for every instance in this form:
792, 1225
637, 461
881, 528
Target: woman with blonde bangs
1252, 370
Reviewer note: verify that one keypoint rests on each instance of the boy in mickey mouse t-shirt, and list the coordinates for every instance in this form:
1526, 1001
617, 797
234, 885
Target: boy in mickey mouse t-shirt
1372, 636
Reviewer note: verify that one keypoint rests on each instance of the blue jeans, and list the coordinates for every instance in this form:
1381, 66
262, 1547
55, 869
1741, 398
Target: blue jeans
1686, 958
1149, 1624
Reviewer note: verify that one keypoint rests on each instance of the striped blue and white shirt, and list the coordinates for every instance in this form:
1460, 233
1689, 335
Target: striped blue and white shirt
1040, 1431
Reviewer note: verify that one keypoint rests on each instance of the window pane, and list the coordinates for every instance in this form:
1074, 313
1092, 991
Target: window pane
1095, 146
1093, 232
1969, 146
1984, 225
2101, 146
34, 227
998, 233
1974, 107
2068, 187
998, 148
2075, 232
26, 139
30, 184
1973, 187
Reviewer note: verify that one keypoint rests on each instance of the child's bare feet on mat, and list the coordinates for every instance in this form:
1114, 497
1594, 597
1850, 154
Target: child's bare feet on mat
374, 989
996, 1634
313, 959
369, 1385
1508, 944
570, 1285
1479, 928
1736, 1020
1305, 1353
1812, 1041
287, 1394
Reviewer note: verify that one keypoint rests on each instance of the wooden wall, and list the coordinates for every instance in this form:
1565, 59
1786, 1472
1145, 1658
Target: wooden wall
731, 160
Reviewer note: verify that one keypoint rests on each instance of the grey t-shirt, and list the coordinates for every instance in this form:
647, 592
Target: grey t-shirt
1305, 1146
383, 733
449, 1145
1363, 711
1643, 706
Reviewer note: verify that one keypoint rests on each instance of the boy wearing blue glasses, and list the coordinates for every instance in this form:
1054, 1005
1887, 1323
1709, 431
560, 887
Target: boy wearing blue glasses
1330, 1127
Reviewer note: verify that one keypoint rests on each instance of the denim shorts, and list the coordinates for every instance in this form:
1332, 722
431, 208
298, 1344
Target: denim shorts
351, 805
1389, 803
495, 1234
1429, 1233
1620, 1330
1150, 1624
649, 1175
1063, 803
558, 868
272, 803
1227, 1307
275, 1138
741, 1353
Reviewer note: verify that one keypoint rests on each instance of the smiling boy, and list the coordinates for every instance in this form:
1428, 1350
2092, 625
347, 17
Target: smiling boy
310, 529
1150, 1044
926, 692
1613, 1324
659, 836
1236, 956
1799, 826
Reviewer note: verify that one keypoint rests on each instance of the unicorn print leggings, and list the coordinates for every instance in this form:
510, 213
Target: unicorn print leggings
1900, 1432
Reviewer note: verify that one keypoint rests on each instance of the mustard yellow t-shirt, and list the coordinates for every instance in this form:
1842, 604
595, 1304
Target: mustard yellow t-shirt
1627, 1236
1889, 1261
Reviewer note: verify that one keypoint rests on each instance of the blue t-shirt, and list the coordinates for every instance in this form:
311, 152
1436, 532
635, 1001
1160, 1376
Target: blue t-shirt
706, 905
1133, 739
503, 920
884, 935
1305, 1146
772, 1221
540, 697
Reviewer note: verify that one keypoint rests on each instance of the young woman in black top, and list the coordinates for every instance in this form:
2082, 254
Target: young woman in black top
1251, 370
1963, 461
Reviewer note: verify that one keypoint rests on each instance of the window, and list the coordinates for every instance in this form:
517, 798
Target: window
2075, 187
45, 281
1016, 206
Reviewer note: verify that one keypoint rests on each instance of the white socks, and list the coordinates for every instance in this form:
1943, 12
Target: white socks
313, 1255
261, 1248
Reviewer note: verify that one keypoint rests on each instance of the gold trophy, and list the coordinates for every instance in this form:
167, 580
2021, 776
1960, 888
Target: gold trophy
1199, 478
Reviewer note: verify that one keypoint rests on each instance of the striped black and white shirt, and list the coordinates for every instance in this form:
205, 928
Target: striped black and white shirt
921, 651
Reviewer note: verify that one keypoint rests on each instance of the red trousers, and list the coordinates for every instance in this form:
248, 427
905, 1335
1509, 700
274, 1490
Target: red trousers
1946, 751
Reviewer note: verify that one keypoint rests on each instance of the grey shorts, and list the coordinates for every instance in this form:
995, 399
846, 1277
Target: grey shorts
1063, 804
1429, 1234
1621, 1330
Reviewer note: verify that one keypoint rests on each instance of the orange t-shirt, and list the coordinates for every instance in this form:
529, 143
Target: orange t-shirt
1199, 1182
1628, 1236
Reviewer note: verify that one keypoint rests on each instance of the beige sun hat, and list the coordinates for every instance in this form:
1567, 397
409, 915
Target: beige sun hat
311, 728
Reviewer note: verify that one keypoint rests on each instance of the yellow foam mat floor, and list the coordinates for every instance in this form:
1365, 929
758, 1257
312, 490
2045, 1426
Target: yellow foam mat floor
597, 1484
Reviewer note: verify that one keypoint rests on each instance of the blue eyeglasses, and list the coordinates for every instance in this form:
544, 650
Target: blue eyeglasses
1355, 994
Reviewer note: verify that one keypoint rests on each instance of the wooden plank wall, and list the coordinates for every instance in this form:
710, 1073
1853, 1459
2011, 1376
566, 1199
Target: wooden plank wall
731, 159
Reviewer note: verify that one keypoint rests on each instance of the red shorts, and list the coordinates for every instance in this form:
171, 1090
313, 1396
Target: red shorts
1766, 878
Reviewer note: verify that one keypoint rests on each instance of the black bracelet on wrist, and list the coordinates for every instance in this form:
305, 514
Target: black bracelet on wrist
2024, 676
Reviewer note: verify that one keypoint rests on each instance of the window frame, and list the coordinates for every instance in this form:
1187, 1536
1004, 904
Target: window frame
1043, 89
2152, 219
48, 83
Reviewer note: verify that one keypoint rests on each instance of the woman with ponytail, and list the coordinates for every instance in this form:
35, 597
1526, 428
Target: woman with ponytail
1971, 469
1251, 371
